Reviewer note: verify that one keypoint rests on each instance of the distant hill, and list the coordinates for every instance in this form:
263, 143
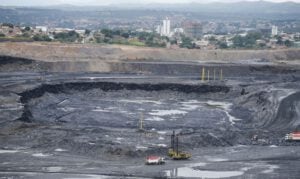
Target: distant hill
68, 15
215, 10
236, 7
217, 7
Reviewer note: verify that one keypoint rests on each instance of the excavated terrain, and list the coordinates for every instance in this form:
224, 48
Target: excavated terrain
84, 124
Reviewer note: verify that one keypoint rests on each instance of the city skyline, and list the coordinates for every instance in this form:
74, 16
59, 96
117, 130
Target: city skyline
104, 2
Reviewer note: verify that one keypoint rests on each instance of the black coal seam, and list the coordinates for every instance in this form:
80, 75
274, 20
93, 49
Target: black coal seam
4, 60
109, 86
272, 69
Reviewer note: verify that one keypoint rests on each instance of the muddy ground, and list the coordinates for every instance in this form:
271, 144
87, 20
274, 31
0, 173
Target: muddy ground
85, 124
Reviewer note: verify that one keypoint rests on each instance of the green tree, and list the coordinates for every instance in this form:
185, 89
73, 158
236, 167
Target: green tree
39, 37
70, 36
125, 35
2, 35
107, 40
254, 35
8, 25
173, 41
99, 39
27, 29
249, 41
288, 43
186, 43
143, 36
222, 45
107, 32
262, 45
279, 40
238, 41
26, 35
212, 40
87, 32
166, 38
116, 32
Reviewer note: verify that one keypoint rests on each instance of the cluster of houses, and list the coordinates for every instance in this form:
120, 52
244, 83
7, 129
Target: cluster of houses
10, 31
192, 30
272, 42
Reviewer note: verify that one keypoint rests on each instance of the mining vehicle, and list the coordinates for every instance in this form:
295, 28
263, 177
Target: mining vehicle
154, 160
174, 153
294, 136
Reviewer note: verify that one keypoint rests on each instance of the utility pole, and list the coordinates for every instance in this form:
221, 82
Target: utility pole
214, 74
203, 74
141, 122
172, 141
208, 75
177, 145
221, 74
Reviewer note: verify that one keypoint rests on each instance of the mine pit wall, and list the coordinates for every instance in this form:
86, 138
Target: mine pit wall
65, 66
228, 70
276, 110
269, 114
264, 110
209, 55
288, 114
110, 86
11, 64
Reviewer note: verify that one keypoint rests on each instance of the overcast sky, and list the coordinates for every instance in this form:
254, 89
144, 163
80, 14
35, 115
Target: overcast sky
106, 2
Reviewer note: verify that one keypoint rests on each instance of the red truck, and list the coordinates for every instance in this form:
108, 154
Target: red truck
154, 160
294, 136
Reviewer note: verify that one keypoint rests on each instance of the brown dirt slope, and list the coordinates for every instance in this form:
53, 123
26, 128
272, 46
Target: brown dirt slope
88, 52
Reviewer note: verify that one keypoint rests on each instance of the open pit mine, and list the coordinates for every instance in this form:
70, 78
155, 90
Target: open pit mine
92, 111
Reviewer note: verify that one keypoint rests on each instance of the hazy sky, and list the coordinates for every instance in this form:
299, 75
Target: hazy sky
105, 2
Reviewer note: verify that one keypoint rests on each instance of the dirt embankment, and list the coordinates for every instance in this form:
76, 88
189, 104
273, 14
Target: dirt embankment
211, 55
88, 52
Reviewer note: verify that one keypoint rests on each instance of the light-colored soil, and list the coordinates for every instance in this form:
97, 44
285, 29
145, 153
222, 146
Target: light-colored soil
96, 52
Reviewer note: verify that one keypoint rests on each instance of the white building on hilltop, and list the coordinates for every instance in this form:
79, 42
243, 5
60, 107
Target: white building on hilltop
165, 28
274, 30
43, 29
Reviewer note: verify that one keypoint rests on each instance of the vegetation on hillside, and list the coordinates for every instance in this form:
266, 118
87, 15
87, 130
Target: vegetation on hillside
130, 38
70, 36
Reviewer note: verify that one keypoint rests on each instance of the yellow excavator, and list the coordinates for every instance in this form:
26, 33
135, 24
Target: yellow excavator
174, 153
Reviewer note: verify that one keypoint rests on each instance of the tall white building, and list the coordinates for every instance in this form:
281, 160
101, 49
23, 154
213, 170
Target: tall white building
165, 28
274, 30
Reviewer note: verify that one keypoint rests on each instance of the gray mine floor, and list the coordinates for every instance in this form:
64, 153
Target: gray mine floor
85, 125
